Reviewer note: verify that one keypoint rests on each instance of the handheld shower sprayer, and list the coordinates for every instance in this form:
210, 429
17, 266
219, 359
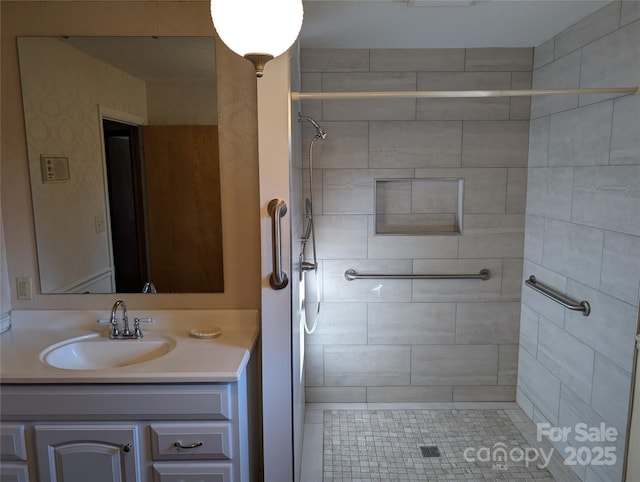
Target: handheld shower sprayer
319, 130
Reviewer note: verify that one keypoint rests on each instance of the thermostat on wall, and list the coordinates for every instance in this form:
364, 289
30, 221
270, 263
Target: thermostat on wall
54, 169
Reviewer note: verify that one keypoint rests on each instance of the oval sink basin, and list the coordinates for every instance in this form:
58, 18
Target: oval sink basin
94, 352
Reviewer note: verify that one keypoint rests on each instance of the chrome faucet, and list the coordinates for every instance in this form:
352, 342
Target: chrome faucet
115, 332
125, 333
149, 287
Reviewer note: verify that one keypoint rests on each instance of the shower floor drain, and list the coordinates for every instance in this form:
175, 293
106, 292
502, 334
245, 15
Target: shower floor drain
430, 451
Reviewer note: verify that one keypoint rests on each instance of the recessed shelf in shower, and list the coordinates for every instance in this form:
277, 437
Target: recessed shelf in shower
419, 206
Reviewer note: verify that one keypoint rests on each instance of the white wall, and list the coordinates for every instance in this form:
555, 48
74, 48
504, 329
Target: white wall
583, 230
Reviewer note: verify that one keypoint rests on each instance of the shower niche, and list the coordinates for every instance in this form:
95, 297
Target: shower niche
419, 206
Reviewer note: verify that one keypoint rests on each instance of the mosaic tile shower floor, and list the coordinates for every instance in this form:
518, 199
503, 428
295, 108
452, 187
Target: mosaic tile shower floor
384, 445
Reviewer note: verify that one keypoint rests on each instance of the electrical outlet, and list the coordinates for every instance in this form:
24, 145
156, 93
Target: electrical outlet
24, 288
100, 223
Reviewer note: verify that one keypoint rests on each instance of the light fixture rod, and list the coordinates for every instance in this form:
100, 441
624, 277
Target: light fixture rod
425, 94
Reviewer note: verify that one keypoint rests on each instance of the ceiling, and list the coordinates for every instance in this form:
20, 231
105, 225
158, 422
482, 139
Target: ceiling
154, 59
438, 24
360, 24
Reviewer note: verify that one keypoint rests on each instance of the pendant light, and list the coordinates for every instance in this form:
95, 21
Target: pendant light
258, 30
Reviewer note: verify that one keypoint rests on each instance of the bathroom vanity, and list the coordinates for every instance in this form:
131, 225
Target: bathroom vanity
187, 414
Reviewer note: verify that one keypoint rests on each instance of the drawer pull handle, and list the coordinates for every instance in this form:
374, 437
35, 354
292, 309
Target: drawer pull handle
190, 446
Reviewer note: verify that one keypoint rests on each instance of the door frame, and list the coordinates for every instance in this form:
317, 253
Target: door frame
274, 155
107, 113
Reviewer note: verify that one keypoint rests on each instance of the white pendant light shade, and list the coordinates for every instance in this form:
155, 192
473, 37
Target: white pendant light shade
257, 28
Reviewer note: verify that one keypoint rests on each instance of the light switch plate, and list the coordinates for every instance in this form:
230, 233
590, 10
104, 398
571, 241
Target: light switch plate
54, 168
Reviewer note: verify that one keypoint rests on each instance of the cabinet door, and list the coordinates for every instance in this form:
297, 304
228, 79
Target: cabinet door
192, 472
87, 452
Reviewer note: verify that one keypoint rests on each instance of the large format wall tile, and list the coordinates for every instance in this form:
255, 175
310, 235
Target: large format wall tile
468, 393
574, 411
611, 61
457, 290
607, 197
341, 237
563, 73
630, 12
610, 327
495, 144
417, 60
538, 302
529, 321
566, 357
340, 324
332, 60
492, 108
590, 28
499, 59
625, 148
414, 144
621, 267
482, 323
539, 141
403, 247
337, 288
581, 137
346, 146
410, 394
573, 250
372, 365
454, 365
609, 378
539, 385
412, 323
367, 109
508, 365
549, 192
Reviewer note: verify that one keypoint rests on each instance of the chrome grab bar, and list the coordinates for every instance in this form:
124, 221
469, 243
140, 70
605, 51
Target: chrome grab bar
277, 209
558, 297
351, 275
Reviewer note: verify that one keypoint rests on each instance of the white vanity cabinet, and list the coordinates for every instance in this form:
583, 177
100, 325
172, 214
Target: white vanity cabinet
128, 433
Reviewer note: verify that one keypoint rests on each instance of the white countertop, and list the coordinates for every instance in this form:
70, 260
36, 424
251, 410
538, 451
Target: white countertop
193, 360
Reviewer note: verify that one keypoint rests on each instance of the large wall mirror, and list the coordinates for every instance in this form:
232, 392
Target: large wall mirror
122, 142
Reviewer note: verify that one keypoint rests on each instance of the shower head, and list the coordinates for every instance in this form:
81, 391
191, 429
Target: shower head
319, 130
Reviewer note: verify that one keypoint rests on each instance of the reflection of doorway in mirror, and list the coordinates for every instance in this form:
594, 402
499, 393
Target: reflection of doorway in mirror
126, 209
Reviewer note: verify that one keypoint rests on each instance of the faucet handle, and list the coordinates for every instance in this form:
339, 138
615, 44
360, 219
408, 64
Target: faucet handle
136, 325
114, 331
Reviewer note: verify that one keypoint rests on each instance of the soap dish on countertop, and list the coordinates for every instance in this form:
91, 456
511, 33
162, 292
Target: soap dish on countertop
205, 332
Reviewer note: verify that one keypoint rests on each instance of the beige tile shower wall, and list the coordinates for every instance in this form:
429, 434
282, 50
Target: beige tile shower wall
427, 340
583, 232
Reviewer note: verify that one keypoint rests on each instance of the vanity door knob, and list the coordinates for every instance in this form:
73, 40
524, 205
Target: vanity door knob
189, 446
127, 447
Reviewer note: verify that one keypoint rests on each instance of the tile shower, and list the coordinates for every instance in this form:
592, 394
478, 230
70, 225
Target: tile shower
424, 340
575, 160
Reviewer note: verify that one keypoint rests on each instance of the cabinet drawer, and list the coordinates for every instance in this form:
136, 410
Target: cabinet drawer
208, 440
192, 472
85, 402
12, 446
